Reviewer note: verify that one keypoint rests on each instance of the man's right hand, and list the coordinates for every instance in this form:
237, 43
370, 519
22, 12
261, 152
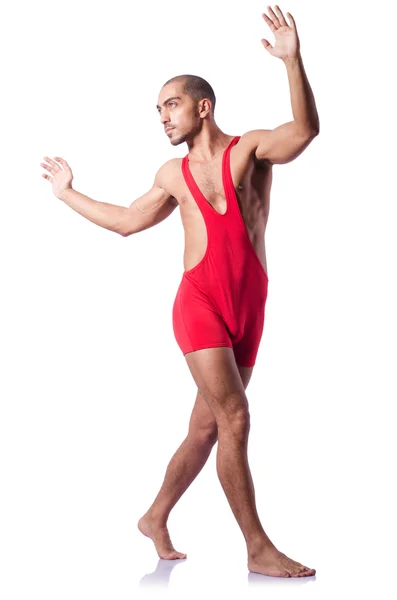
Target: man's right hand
62, 177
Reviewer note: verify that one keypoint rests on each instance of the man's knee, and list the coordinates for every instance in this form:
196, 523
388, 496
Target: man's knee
204, 434
235, 422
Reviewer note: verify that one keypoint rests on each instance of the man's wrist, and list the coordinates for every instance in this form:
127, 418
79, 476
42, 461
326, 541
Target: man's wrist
62, 196
292, 60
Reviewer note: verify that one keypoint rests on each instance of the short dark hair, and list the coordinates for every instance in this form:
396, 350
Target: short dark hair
196, 87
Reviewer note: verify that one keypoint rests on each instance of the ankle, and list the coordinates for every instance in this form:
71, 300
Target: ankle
160, 518
259, 546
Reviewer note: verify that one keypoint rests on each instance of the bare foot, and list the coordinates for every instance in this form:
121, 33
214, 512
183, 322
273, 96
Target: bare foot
276, 564
158, 533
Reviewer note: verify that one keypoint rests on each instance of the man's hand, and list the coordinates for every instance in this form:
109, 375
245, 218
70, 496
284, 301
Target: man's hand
286, 36
62, 178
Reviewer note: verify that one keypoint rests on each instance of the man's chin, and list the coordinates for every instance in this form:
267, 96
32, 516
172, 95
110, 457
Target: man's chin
176, 139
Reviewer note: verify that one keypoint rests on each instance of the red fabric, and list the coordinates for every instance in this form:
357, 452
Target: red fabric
221, 301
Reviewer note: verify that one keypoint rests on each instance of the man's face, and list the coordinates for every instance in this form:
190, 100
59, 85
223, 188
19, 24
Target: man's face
178, 113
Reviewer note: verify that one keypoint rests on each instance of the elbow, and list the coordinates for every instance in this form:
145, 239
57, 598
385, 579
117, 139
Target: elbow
123, 228
120, 230
124, 232
315, 129
123, 224
310, 131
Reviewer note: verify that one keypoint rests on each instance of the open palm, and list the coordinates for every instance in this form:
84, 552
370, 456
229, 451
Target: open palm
62, 176
285, 35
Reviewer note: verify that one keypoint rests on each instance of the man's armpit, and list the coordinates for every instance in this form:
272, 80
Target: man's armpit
173, 201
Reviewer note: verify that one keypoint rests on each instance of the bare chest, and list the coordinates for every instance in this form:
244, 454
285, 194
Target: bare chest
251, 186
209, 184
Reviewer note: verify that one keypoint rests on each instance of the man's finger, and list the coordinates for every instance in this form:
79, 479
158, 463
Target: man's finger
269, 22
52, 162
267, 45
47, 167
274, 17
291, 18
281, 16
62, 161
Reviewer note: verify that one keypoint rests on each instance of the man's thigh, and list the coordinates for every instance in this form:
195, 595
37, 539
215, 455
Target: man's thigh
202, 417
220, 381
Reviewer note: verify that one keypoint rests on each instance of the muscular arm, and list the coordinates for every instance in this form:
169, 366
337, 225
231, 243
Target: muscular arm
146, 211
286, 142
150, 209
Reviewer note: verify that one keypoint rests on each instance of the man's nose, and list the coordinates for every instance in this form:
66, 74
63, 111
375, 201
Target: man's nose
164, 117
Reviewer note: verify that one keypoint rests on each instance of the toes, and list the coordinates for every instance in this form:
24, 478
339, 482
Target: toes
176, 555
302, 572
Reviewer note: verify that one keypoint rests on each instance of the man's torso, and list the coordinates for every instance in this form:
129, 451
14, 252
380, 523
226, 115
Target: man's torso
252, 182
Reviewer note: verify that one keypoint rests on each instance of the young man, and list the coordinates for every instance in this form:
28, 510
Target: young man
223, 190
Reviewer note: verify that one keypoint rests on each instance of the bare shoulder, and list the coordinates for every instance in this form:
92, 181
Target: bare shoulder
246, 149
168, 170
166, 175
251, 139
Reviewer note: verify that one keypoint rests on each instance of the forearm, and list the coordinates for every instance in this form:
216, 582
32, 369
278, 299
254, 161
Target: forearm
105, 215
302, 100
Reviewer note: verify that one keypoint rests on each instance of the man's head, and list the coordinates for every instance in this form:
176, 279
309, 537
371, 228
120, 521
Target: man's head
185, 103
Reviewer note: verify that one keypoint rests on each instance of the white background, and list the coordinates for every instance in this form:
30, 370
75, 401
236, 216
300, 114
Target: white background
95, 393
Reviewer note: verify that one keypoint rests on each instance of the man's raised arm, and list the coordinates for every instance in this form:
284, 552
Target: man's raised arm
286, 142
146, 211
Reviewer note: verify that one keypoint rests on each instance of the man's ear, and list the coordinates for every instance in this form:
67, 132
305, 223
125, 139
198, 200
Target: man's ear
204, 107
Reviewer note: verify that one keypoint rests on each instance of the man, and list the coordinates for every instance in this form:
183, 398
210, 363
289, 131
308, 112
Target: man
222, 188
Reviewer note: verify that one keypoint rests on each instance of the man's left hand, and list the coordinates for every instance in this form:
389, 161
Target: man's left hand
286, 36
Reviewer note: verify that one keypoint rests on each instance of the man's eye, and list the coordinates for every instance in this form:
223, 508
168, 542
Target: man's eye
169, 103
